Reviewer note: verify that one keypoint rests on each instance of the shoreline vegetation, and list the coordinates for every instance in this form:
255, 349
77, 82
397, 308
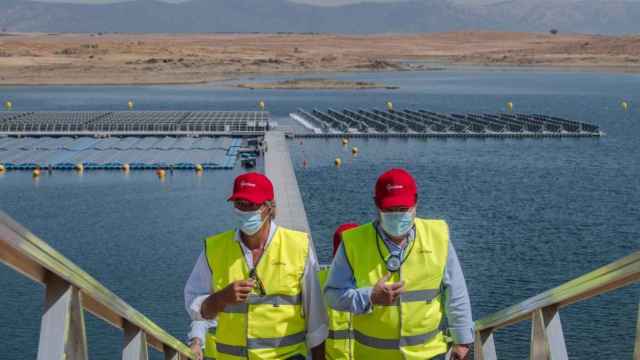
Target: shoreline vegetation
146, 59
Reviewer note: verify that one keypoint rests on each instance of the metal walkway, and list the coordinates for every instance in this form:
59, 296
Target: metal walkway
290, 211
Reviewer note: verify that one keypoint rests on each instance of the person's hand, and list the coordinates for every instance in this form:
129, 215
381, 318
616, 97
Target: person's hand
459, 352
386, 294
196, 347
236, 292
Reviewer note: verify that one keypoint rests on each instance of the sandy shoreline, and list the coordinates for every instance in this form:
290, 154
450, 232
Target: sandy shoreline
169, 59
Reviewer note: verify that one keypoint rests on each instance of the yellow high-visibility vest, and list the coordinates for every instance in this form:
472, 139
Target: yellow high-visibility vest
410, 328
210, 352
265, 327
339, 343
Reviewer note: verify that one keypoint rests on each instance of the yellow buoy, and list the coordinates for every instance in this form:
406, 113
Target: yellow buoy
354, 150
2, 169
625, 105
36, 173
338, 162
510, 106
345, 141
261, 104
389, 105
130, 104
199, 168
125, 167
8, 105
161, 173
79, 167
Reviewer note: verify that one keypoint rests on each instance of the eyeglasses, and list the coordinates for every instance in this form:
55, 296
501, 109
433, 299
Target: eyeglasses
254, 275
246, 205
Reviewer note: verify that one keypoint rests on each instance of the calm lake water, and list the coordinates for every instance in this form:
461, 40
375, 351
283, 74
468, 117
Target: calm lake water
525, 215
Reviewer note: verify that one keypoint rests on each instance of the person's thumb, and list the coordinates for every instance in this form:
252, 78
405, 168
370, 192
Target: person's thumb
385, 278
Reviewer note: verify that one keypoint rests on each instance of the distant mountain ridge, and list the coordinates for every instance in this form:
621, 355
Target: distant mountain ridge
588, 16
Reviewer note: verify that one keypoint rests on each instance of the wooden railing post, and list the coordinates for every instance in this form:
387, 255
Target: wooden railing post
547, 338
171, 354
135, 343
62, 330
484, 347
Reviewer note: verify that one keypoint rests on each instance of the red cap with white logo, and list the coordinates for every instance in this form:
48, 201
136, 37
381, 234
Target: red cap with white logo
396, 188
253, 187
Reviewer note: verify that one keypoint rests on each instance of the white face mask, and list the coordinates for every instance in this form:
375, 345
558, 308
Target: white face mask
397, 223
249, 222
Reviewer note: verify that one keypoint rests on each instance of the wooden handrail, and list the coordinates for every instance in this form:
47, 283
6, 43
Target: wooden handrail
547, 339
69, 290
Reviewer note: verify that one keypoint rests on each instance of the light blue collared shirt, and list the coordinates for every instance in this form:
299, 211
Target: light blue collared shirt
341, 293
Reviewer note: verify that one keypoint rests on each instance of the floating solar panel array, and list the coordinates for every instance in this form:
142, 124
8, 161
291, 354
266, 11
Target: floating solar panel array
134, 122
114, 153
428, 123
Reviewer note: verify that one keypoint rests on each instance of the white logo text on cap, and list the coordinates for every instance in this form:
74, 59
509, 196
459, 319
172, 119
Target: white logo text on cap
247, 184
394, 187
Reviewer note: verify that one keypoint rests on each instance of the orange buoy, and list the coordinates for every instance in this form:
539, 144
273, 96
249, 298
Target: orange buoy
161, 173
36, 173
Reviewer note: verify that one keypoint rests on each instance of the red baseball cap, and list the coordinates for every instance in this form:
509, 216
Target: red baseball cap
337, 236
253, 187
396, 187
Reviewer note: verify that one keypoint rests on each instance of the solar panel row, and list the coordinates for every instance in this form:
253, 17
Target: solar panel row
113, 153
425, 122
134, 121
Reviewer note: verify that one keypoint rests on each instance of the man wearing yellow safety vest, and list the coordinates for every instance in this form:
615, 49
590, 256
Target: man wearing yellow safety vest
259, 282
339, 343
400, 277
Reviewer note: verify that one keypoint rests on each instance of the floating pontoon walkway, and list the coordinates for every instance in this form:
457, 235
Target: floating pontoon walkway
133, 123
279, 168
424, 123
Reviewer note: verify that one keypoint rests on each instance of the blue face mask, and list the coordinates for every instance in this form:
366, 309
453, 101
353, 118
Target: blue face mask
249, 222
397, 224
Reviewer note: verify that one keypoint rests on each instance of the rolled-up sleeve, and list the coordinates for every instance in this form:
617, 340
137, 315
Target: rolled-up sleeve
340, 290
199, 330
313, 302
198, 288
457, 303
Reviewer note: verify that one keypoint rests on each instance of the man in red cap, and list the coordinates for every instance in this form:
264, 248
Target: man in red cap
259, 282
400, 278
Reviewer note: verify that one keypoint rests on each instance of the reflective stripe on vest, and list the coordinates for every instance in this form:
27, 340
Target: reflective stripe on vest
410, 327
263, 343
265, 327
274, 300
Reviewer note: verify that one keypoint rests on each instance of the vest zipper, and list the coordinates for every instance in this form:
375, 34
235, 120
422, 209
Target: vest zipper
255, 266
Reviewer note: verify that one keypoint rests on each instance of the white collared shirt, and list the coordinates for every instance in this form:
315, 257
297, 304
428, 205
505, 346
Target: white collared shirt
198, 289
